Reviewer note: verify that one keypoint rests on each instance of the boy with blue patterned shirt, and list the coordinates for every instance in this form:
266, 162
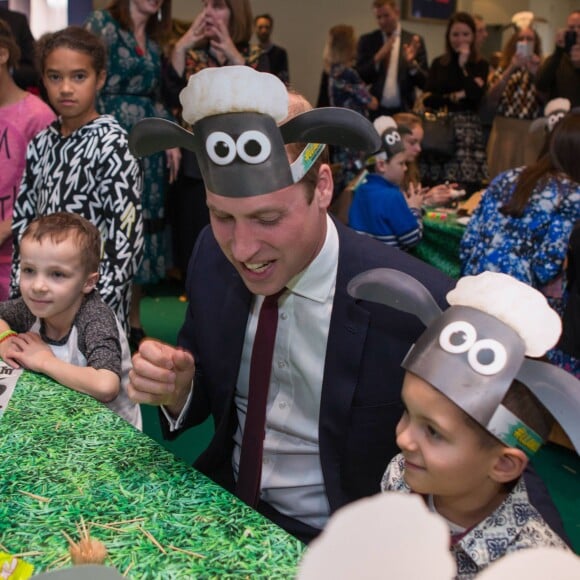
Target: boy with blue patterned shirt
476, 410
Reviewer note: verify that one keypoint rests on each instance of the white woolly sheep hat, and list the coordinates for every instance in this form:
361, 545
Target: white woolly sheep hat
234, 111
473, 351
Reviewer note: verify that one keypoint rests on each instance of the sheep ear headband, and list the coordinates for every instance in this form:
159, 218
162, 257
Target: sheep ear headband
234, 111
553, 112
472, 351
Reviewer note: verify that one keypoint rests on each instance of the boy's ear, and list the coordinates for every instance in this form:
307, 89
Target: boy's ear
380, 165
508, 465
90, 282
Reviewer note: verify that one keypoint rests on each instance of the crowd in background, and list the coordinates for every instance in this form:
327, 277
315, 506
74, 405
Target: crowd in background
489, 111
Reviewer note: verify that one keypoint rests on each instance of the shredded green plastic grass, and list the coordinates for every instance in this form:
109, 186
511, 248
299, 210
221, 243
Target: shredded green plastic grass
66, 458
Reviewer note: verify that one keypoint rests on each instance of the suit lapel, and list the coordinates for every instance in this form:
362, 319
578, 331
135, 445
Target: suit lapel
346, 338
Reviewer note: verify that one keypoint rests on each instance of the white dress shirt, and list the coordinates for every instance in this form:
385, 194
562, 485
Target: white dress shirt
391, 94
292, 479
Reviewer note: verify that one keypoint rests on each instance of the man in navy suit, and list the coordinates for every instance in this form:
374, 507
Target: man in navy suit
392, 61
334, 391
277, 57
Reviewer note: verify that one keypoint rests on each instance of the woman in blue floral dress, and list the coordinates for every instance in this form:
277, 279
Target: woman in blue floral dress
345, 89
131, 30
523, 223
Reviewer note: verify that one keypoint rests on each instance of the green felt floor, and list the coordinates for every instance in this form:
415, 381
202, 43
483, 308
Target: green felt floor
162, 313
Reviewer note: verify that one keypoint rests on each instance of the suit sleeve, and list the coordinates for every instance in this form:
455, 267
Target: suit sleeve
365, 64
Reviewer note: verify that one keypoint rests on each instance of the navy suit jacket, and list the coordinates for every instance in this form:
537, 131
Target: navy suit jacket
360, 402
368, 45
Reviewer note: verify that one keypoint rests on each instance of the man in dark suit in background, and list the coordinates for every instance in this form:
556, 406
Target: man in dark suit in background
277, 56
393, 61
25, 75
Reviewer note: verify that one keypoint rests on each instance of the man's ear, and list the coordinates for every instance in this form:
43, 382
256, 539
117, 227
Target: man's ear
324, 186
90, 282
508, 465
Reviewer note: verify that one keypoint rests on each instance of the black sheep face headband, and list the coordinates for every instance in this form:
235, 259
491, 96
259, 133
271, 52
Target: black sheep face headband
473, 351
240, 148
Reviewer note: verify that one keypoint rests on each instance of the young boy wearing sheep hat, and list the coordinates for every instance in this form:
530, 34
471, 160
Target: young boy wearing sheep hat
476, 409
380, 208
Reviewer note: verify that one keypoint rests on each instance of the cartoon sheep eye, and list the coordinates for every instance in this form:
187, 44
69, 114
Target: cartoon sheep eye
253, 147
392, 138
459, 336
220, 148
487, 357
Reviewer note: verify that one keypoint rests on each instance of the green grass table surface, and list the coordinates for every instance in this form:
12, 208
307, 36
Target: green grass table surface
440, 244
82, 462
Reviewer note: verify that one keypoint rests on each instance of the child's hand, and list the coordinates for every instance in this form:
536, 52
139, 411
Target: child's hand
8, 352
415, 196
31, 351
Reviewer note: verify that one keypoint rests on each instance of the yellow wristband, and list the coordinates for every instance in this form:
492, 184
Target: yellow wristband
6, 334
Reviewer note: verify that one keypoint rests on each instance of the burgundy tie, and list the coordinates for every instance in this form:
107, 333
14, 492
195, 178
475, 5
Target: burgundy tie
250, 470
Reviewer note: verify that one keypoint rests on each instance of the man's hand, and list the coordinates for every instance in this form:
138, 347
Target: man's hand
410, 50
161, 375
384, 53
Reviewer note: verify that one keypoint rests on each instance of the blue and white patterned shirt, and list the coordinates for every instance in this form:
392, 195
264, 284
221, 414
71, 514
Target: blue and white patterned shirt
514, 525
531, 248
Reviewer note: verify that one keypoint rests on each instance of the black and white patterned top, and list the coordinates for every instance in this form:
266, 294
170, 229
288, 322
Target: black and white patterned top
514, 525
91, 173
520, 99
95, 340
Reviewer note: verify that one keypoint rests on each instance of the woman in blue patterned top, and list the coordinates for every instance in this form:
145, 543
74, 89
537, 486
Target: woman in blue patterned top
345, 89
132, 30
524, 220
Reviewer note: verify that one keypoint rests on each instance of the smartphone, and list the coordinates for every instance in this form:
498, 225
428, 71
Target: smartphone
569, 40
524, 49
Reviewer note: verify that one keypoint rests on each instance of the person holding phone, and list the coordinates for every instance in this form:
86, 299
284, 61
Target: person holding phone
559, 75
515, 96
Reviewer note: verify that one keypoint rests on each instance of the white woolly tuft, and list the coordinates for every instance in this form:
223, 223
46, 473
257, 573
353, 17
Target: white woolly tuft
516, 304
559, 104
523, 19
233, 89
381, 124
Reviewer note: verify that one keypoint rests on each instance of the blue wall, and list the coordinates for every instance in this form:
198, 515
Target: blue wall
78, 10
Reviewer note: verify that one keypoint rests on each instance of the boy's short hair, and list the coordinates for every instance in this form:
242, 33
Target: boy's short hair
298, 104
525, 406
59, 226
8, 42
73, 38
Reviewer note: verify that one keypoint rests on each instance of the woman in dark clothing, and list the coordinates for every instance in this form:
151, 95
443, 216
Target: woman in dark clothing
219, 36
457, 83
